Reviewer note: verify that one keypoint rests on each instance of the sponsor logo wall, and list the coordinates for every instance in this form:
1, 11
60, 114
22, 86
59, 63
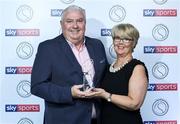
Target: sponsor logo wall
26, 23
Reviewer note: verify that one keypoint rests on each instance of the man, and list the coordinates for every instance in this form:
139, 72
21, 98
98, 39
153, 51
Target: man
59, 68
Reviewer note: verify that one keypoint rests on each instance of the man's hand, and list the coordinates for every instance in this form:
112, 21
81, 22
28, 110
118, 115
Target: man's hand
96, 92
89, 93
76, 92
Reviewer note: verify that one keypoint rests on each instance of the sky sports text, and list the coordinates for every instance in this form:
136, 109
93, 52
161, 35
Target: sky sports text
160, 49
22, 32
56, 12
163, 87
161, 122
18, 70
22, 108
105, 32
160, 12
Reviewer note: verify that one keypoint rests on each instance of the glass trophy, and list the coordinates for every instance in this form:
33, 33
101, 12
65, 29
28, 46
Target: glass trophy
88, 70
86, 85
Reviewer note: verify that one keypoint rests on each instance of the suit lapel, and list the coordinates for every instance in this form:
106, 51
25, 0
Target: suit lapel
91, 52
69, 54
71, 57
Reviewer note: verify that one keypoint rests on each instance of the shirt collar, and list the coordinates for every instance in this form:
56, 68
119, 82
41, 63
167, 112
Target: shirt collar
72, 45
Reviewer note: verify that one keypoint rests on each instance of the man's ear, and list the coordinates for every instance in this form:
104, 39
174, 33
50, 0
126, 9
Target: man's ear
60, 22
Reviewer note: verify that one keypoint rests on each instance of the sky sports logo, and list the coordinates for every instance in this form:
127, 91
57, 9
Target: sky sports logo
22, 108
163, 87
160, 12
22, 32
160, 49
56, 12
161, 122
18, 70
105, 32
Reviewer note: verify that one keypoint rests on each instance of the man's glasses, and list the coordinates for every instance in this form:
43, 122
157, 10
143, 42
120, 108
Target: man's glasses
117, 40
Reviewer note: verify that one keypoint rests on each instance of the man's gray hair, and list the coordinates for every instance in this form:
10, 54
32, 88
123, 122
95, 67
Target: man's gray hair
73, 8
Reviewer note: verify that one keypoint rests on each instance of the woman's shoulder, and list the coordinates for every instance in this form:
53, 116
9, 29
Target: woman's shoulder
138, 62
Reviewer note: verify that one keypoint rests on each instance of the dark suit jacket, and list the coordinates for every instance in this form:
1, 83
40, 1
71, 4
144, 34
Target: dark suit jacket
55, 71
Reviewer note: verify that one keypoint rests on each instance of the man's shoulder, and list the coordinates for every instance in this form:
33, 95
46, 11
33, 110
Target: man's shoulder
52, 41
93, 40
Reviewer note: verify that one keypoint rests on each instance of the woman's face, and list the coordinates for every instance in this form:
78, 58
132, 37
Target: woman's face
123, 46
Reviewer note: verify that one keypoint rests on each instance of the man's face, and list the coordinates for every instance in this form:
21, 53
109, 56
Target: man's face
73, 26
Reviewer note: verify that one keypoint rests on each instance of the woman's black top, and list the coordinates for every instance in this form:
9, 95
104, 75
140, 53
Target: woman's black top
117, 83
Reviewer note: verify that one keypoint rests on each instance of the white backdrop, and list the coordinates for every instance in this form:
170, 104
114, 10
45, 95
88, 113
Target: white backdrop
26, 23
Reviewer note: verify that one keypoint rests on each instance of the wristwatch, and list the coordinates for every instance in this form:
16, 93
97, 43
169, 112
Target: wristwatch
109, 97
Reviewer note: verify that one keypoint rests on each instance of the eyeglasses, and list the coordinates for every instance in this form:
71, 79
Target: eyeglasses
119, 40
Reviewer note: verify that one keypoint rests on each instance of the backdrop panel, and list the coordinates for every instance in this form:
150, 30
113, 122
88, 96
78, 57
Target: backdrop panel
26, 23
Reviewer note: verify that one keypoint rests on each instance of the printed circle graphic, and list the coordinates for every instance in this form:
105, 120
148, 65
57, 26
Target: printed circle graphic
25, 121
160, 32
160, 107
23, 89
160, 2
67, 1
24, 50
24, 13
112, 52
117, 13
160, 70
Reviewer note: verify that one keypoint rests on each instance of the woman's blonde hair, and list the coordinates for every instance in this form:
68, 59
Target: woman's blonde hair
126, 31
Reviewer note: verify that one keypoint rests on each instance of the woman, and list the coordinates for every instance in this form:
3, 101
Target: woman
125, 83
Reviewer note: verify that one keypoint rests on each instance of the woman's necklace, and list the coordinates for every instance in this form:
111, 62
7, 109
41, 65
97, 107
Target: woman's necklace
112, 69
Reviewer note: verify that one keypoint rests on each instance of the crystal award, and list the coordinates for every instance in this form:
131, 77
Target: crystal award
88, 70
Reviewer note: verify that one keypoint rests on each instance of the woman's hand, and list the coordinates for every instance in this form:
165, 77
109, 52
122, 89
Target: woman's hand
97, 92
